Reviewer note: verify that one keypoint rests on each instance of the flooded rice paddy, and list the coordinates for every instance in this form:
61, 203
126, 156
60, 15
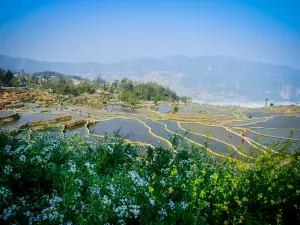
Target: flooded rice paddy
201, 125
6, 113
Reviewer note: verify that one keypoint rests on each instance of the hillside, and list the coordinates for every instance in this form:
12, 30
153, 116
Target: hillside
207, 78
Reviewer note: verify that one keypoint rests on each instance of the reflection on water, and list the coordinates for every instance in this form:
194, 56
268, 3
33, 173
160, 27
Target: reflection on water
131, 129
245, 122
278, 133
76, 131
218, 133
117, 108
158, 129
164, 108
26, 118
6, 113
265, 140
189, 112
30, 105
282, 122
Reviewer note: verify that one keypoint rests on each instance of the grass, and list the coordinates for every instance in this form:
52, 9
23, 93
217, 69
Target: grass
56, 180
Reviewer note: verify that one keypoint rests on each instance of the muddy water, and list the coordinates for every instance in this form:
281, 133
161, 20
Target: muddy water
131, 129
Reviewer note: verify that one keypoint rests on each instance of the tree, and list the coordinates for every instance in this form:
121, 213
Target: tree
132, 103
2, 77
271, 104
176, 109
115, 84
15, 82
22, 72
266, 100
7, 78
98, 81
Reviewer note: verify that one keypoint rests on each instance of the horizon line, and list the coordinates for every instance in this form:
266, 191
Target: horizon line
154, 57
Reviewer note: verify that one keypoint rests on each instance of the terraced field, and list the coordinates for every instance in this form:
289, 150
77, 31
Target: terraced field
202, 125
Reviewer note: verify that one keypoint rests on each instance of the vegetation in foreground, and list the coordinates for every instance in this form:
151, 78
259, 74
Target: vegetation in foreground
56, 180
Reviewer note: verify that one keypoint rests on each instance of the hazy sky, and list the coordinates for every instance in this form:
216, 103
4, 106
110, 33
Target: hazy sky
109, 31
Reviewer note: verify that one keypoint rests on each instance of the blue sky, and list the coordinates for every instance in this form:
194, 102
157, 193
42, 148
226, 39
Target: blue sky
110, 31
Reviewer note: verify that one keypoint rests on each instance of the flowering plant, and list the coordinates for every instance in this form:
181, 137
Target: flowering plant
57, 180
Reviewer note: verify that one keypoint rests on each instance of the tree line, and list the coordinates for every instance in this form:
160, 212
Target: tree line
127, 90
6, 78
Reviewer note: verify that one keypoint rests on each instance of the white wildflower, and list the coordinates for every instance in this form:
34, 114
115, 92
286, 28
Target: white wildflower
7, 148
122, 211
152, 202
110, 149
137, 179
4, 193
171, 204
7, 170
72, 167
112, 190
121, 222
8, 212
77, 195
22, 158
163, 212
184, 205
135, 209
89, 165
106, 200
78, 182
27, 213
95, 190
54, 200
91, 172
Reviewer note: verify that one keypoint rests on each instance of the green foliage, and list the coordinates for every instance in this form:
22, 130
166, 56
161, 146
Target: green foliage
62, 86
149, 91
271, 104
86, 87
6, 78
47, 75
175, 109
185, 98
15, 82
55, 180
66, 87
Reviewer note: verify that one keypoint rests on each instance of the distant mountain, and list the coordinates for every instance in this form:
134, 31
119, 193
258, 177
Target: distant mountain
208, 78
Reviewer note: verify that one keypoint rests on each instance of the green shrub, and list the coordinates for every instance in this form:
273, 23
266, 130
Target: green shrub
52, 180
175, 109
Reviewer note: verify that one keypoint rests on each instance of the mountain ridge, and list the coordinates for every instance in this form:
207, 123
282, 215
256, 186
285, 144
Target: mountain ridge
201, 77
